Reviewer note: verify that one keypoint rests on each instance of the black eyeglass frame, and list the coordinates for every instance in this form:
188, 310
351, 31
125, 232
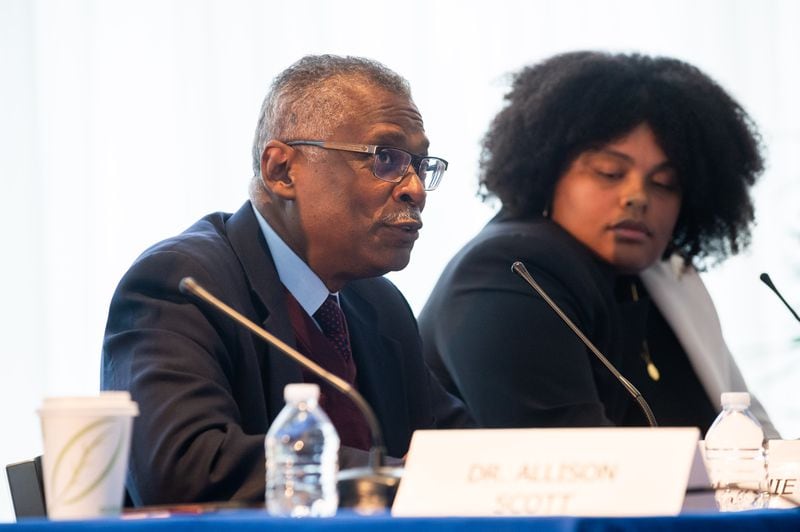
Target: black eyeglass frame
372, 149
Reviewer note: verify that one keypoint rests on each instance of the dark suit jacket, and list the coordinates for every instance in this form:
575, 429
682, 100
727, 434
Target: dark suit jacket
208, 389
493, 341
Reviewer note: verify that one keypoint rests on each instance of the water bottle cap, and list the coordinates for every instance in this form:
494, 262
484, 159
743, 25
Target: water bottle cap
294, 393
735, 399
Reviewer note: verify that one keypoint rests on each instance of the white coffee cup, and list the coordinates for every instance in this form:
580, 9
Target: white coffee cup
86, 446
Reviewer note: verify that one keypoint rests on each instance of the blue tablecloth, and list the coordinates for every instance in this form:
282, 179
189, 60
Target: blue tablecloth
258, 520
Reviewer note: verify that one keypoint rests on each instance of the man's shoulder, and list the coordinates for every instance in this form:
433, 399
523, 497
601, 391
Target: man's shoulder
206, 250
218, 251
211, 241
205, 234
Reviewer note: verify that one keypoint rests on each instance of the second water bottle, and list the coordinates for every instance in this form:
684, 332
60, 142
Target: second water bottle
735, 456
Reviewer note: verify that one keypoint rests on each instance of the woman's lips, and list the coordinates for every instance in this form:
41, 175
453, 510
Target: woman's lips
631, 230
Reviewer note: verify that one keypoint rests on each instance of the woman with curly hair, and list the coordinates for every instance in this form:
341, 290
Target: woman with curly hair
618, 176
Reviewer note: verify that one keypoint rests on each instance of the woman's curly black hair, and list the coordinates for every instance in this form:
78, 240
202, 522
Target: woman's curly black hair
576, 101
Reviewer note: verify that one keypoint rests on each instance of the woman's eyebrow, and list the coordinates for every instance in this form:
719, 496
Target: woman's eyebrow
666, 163
613, 153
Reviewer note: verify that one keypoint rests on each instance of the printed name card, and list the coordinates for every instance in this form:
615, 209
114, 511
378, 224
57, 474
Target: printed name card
783, 464
528, 472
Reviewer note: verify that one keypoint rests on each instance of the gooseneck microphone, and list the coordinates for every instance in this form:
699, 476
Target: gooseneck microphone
522, 271
767, 281
365, 489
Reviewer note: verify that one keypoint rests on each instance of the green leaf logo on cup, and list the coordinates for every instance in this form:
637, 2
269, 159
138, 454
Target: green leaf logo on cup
86, 446
72, 478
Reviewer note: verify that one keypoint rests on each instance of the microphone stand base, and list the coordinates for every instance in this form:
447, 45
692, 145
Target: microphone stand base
367, 490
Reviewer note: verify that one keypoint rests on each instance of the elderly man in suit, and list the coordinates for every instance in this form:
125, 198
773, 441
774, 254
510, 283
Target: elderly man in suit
341, 170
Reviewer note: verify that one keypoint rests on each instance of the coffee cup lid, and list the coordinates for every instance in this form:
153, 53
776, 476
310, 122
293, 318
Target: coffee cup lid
105, 403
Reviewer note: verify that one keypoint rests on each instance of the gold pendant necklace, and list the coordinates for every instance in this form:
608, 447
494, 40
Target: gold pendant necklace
652, 370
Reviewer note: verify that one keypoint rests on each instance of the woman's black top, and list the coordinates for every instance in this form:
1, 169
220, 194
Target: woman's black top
494, 342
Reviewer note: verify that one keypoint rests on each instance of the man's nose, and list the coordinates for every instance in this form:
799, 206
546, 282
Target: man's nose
410, 189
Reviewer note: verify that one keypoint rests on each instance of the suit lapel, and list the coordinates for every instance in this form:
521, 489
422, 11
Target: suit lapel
250, 247
380, 376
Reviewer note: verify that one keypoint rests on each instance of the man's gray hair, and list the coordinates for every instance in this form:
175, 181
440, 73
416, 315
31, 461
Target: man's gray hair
310, 99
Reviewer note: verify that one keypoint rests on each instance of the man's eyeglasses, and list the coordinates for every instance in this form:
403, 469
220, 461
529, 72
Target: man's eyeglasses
389, 164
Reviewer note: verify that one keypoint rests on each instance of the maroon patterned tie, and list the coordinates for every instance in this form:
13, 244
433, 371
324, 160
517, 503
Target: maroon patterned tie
331, 320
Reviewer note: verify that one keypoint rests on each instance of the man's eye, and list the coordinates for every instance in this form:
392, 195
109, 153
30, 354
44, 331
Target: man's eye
386, 157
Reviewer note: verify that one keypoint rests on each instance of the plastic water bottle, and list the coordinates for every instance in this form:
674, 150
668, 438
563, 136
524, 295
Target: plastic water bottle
735, 456
302, 457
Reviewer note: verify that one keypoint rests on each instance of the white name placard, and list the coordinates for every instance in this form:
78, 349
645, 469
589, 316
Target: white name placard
783, 464
510, 472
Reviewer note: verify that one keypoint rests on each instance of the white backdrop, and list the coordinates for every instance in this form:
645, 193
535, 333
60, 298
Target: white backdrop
121, 122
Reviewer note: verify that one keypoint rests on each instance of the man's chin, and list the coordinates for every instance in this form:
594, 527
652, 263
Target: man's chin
393, 264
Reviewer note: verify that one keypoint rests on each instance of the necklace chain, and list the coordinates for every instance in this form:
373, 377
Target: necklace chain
652, 369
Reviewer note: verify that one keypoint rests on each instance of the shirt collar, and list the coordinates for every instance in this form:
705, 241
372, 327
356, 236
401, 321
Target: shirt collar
304, 285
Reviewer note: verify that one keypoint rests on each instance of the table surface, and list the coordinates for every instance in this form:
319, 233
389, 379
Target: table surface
258, 520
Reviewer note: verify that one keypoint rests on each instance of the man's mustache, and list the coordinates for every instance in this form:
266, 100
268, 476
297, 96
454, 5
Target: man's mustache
407, 215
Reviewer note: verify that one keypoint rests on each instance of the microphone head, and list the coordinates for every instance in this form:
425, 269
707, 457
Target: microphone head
186, 285
767, 281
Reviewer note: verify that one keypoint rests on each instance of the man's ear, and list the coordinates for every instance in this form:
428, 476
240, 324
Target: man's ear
276, 162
